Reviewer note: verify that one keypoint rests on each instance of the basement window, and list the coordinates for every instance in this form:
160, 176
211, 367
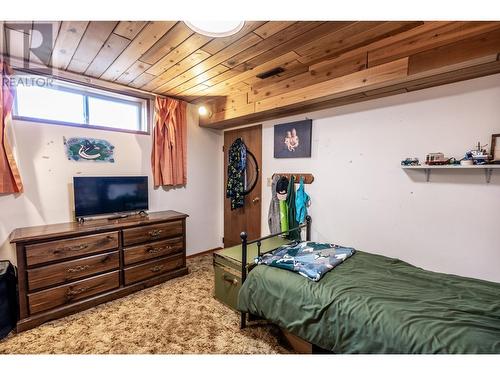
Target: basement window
51, 101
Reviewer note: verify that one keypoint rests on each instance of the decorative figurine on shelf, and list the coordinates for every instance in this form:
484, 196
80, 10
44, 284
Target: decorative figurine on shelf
467, 159
410, 162
478, 155
437, 158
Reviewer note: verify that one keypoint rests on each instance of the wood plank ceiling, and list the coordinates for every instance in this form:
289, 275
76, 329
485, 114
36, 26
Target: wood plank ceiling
324, 63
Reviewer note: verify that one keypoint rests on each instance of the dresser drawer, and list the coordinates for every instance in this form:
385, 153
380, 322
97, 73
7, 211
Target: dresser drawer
59, 273
153, 250
154, 268
75, 291
72, 247
153, 232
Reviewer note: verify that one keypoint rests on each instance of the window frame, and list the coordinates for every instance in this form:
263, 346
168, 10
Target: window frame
87, 91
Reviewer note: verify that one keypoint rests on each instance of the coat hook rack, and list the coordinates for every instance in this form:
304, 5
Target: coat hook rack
308, 177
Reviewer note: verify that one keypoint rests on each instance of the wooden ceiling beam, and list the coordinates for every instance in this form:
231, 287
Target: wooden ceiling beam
351, 37
335, 68
358, 81
470, 58
453, 53
221, 121
448, 33
348, 85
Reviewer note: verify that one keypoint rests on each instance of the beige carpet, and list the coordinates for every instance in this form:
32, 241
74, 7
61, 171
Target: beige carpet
179, 316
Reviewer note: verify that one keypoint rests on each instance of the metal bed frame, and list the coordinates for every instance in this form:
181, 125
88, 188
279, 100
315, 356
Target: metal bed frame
244, 248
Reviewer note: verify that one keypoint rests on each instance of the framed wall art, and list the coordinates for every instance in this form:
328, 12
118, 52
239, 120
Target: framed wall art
293, 139
495, 148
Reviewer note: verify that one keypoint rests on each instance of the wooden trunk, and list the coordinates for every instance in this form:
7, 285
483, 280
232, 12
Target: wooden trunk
227, 274
227, 269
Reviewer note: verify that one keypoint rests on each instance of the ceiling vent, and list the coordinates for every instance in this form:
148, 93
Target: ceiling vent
270, 73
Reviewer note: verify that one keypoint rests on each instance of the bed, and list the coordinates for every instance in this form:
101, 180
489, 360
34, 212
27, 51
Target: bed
375, 304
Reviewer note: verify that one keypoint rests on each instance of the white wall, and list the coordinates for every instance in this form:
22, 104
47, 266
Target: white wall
47, 177
361, 197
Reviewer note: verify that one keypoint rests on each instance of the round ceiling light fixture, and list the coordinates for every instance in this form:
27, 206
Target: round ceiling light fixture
215, 29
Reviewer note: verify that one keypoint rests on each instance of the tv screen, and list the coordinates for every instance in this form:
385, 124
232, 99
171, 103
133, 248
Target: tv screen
108, 195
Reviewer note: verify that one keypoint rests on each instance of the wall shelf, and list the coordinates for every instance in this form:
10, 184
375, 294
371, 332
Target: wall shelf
488, 169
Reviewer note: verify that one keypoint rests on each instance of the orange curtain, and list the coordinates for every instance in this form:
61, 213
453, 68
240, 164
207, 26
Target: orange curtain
10, 180
169, 154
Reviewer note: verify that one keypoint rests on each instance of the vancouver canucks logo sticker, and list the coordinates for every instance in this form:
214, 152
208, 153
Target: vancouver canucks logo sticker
89, 149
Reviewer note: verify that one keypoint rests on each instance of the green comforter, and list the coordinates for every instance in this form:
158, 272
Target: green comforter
374, 304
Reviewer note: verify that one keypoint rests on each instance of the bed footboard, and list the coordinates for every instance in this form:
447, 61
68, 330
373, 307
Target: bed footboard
244, 248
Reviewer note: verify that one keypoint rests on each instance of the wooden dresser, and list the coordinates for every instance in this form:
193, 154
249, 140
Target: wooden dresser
68, 267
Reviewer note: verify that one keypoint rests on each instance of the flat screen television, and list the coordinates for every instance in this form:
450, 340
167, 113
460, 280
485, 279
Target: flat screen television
110, 195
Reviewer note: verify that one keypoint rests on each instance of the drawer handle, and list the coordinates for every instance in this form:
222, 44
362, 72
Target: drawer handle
155, 232
74, 292
78, 269
155, 250
230, 280
79, 247
107, 239
70, 248
156, 268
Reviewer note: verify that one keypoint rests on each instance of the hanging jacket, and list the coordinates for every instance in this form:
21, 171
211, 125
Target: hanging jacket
283, 216
273, 217
236, 167
301, 202
292, 221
